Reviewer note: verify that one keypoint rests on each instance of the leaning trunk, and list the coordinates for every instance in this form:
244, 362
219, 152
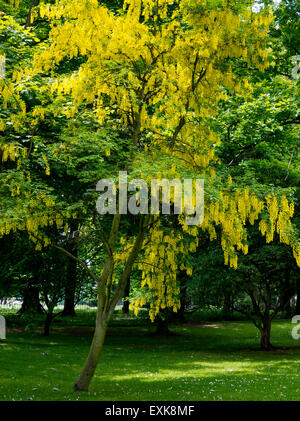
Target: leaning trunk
105, 305
92, 360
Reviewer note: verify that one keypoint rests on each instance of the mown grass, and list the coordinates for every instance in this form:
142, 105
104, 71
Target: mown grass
219, 361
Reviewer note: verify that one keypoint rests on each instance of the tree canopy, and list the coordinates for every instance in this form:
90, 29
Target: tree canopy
150, 89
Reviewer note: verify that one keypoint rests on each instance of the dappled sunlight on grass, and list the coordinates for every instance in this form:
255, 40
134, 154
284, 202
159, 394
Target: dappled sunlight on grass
197, 363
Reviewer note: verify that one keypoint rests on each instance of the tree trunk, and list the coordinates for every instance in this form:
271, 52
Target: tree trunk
47, 325
227, 305
288, 310
69, 303
180, 313
31, 302
34, 3
285, 300
92, 360
162, 326
107, 305
125, 308
298, 298
265, 331
180, 316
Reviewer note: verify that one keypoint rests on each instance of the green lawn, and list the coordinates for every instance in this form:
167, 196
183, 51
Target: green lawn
216, 362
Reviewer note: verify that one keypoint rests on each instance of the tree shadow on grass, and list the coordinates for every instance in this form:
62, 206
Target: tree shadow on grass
136, 365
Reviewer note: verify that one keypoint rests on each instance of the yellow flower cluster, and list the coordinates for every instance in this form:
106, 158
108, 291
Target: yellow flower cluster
166, 253
129, 60
10, 151
15, 3
159, 263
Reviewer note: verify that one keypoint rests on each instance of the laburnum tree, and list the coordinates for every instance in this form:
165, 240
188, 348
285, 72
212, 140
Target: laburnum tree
155, 70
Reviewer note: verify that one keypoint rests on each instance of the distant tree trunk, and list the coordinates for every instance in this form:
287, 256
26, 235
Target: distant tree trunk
162, 326
180, 313
125, 308
265, 331
47, 325
288, 310
287, 295
33, 4
227, 305
298, 298
69, 304
31, 301
180, 316
264, 318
